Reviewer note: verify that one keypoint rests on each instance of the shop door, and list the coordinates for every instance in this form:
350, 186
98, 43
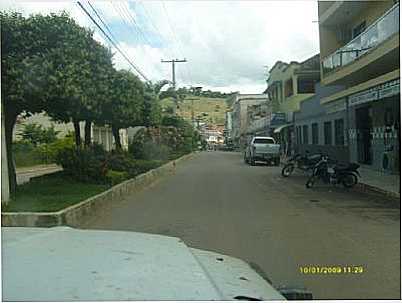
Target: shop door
364, 137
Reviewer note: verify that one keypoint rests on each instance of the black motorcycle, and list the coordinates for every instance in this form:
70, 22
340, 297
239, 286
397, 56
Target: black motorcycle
304, 163
331, 172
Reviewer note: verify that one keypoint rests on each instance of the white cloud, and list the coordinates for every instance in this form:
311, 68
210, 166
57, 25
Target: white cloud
226, 43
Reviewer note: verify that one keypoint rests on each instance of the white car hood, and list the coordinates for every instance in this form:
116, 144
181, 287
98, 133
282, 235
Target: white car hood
66, 264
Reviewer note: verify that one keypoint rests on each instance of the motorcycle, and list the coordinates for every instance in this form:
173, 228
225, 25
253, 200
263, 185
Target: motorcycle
304, 163
331, 172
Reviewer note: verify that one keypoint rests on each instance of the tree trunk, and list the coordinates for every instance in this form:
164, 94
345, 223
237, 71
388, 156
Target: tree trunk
88, 125
77, 132
9, 121
116, 135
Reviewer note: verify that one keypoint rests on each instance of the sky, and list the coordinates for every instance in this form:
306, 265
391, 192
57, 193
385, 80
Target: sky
229, 45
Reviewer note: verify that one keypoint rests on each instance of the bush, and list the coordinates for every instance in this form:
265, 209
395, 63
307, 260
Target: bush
49, 152
37, 134
83, 164
115, 177
120, 161
153, 151
94, 164
142, 166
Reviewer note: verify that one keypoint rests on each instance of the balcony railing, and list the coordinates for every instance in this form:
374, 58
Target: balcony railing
374, 35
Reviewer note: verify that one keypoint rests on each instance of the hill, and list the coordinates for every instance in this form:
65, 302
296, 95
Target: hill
212, 110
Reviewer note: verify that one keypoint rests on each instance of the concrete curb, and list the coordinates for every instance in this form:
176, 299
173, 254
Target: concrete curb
373, 189
74, 214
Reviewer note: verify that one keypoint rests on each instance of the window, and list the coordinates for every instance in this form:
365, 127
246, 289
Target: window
305, 134
358, 29
314, 133
289, 88
328, 133
263, 141
339, 132
305, 86
298, 135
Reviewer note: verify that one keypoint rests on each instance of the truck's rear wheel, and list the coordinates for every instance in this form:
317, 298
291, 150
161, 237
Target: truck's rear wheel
252, 161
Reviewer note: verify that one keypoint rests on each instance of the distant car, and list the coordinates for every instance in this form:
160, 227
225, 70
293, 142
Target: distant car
262, 149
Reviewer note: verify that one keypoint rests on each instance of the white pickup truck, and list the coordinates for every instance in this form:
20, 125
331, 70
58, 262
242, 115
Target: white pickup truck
66, 264
262, 149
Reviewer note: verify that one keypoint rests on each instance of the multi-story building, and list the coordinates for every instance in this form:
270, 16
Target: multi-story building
288, 85
259, 119
239, 116
313, 126
359, 49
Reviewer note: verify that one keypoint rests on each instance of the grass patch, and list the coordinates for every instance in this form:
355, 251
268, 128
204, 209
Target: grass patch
51, 192
214, 108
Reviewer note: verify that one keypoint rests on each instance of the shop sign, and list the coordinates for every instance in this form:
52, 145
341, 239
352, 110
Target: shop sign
336, 106
363, 97
378, 92
389, 89
278, 119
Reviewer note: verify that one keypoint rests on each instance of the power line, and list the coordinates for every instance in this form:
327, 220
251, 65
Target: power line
99, 17
173, 34
132, 20
110, 39
151, 22
124, 18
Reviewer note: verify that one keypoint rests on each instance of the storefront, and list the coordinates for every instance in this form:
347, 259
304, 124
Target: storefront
374, 131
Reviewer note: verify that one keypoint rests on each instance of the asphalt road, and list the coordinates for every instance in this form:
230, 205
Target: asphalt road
216, 202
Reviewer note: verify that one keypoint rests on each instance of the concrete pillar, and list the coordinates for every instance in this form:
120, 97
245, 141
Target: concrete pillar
295, 86
5, 187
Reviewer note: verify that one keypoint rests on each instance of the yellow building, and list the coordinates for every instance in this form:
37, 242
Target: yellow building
359, 49
288, 85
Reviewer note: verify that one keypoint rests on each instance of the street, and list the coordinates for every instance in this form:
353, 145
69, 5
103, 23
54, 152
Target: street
216, 202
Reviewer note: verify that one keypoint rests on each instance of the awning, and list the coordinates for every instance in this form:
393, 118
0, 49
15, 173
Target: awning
279, 129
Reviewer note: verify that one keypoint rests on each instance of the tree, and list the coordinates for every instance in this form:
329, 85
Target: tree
152, 113
28, 43
49, 63
36, 134
126, 105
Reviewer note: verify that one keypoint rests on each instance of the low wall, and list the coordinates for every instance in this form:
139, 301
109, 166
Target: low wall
74, 214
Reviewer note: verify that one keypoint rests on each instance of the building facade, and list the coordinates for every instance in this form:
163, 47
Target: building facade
288, 85
320, 128
99, 134
360, 51
239, 116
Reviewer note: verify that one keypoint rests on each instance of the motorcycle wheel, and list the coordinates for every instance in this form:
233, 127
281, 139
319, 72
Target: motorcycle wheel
287, 170
310, 182
349, 180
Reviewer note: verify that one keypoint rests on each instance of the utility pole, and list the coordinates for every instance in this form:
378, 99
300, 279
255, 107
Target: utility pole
173, 61
192, 109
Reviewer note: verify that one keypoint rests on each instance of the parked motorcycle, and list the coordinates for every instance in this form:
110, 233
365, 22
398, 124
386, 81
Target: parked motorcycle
304, 163
331, 172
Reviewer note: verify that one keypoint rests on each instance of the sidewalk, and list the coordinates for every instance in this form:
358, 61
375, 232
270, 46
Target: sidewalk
380, 182
373, 180
24, 174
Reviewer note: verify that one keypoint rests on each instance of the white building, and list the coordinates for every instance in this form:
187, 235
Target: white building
239, 115
99, 134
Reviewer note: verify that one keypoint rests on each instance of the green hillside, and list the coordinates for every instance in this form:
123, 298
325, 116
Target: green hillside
212, 110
